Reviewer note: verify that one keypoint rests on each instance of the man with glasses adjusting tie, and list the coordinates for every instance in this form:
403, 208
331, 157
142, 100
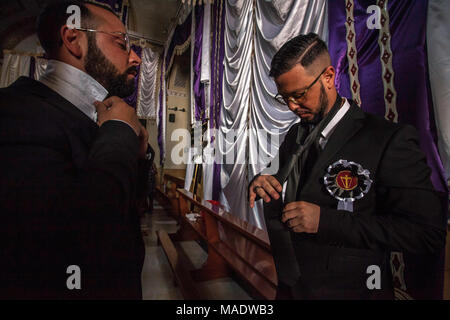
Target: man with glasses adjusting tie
349, 188
74, 160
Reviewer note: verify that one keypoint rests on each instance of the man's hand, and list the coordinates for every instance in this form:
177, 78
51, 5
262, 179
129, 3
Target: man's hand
266, 187
301, 216
115, 108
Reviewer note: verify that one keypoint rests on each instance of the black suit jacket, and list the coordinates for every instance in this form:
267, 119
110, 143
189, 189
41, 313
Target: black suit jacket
67, 197
400, 212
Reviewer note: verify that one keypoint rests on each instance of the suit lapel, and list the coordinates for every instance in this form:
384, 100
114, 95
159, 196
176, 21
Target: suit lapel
350, 124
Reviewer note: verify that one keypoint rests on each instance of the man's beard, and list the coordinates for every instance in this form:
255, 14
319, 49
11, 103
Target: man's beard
102, 70
323, 104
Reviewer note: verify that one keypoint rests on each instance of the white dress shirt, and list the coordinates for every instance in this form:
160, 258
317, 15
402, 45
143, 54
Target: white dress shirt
75, 86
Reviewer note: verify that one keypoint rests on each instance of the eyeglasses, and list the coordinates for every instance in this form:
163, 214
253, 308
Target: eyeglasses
116, 34
297, 99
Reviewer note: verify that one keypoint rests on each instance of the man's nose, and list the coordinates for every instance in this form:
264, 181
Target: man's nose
292, 106
134, 58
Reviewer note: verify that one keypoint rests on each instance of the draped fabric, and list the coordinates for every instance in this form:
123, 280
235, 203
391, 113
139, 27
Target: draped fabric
391, 80
160, 120
206, 44
14, 66
438, 35
204, 56
178, 43
40, 65
148, 84
200, 110
218, 25
199, 87
253, 125
413, 99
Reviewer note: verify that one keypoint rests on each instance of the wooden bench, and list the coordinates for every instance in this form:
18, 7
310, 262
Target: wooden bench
235, 247
167, 191
179, 265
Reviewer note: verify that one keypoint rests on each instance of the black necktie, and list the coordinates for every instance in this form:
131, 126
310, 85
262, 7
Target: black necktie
307, 165
283, 252
292, 171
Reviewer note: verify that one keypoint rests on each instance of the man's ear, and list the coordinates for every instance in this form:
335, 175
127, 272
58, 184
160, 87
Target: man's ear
72, 41
329, 76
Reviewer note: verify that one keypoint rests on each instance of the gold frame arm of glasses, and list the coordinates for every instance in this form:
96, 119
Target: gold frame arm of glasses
126, 37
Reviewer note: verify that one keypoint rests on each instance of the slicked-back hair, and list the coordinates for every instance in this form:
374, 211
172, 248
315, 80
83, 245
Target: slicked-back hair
302, 49
55, 15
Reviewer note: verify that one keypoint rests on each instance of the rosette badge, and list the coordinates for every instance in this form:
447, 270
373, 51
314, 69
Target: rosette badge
347, 181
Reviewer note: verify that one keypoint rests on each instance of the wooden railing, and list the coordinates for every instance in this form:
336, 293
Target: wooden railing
235, 247
167, 191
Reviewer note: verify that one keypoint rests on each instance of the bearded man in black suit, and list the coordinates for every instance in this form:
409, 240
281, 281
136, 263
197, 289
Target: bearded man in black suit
349, 189
72, 164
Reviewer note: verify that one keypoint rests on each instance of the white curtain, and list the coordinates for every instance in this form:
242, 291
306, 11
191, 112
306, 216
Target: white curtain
208, 164
255, 30
438, 35
14, 66
40, 67
147, 94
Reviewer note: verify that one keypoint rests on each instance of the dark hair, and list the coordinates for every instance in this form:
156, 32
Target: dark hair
303, 49
55, 15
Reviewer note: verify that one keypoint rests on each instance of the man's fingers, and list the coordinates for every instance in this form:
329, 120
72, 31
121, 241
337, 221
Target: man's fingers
268, 188
275, 183
112, 100
299, 229
265, 186
289, 215
294, 222
292, 205
100, 106
252, 198
260, 191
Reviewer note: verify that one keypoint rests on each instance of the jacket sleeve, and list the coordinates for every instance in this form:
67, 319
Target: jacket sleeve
408, 215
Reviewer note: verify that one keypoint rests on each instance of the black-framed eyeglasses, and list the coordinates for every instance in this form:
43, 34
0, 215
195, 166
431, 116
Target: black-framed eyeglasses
125, 36
297, 99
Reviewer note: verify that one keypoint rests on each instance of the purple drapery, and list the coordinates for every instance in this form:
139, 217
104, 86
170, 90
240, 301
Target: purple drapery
414, 105
132, 99
424, 275
160, 115
180, 36
217, 58
199, 92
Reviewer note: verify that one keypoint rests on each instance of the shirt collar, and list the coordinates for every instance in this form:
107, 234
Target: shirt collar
75, 86
328, 130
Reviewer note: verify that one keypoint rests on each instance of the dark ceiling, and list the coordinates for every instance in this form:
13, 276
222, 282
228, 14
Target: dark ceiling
150, 18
